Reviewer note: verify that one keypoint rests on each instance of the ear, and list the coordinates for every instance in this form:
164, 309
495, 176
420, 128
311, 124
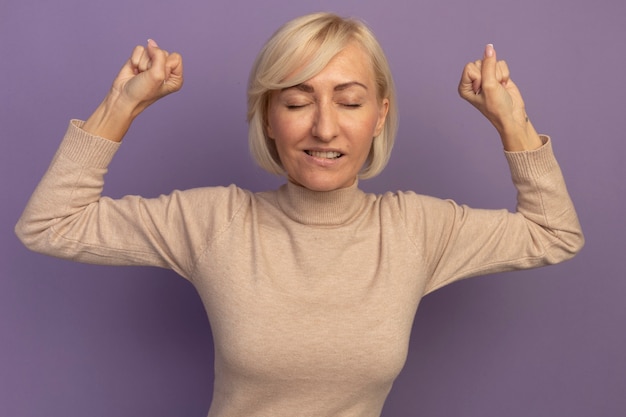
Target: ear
267, 126
382, 116
269, 132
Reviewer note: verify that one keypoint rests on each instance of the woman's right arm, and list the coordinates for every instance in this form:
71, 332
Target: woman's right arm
67, 217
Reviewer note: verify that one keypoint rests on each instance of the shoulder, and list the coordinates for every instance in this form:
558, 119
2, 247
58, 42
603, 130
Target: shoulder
215, 198
409, 201
417, 213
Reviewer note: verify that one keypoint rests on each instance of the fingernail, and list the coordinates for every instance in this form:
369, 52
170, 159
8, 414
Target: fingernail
489, 50
152, 43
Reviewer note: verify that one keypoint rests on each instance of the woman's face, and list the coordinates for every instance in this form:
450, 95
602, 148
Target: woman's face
324, 127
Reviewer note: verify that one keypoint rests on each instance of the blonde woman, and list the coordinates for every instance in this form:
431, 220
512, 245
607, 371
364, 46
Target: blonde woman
310, 289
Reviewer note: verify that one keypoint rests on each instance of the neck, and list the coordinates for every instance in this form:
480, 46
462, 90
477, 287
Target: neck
321, 208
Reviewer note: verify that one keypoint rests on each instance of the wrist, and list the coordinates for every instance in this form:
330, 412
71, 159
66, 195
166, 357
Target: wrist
112, 118
520, 137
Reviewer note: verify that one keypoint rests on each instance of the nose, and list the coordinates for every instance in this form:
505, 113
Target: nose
325, 124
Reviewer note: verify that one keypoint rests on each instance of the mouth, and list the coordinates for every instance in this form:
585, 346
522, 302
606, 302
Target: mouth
325, 154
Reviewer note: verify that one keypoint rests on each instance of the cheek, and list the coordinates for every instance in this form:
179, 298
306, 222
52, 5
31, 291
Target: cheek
283, 128
366, 127
276, 131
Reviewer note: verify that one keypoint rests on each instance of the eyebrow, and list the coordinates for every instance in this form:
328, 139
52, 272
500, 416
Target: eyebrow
307, 88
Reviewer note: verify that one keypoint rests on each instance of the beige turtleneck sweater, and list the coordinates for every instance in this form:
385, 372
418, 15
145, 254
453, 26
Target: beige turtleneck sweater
311, 296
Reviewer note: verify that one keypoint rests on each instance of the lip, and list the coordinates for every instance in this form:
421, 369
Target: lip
324, 162
320, 149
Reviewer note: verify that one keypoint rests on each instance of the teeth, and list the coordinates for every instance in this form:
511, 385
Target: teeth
326, 155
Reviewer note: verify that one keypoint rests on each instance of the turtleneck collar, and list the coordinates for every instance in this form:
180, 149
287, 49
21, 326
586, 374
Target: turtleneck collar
321, 208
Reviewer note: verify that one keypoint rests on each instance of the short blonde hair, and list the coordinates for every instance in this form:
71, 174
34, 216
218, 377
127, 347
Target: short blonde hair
301, 49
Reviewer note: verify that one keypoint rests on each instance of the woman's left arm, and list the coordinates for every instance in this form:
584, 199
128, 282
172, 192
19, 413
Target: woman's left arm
544, 229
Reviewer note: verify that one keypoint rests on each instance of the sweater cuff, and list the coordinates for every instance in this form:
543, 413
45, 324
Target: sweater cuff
86, 149
532, 164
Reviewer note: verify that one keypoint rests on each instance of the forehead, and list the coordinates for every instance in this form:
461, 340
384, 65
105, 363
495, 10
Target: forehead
351, 67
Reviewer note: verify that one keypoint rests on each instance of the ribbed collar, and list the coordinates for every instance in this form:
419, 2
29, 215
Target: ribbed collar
321, 208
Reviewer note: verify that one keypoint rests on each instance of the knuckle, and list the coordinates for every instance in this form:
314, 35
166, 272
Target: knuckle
489, 84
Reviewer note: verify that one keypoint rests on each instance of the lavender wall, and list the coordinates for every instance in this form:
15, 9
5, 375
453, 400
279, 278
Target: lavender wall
80, 340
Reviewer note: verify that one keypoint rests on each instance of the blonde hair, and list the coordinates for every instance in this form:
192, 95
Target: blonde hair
301, 49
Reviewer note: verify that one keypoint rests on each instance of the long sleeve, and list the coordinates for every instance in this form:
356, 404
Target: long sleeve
459, 242
67, 217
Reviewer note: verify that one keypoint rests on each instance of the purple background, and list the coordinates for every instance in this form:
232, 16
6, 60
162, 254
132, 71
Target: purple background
80, 340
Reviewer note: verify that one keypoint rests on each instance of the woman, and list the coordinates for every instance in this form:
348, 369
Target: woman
310, 289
